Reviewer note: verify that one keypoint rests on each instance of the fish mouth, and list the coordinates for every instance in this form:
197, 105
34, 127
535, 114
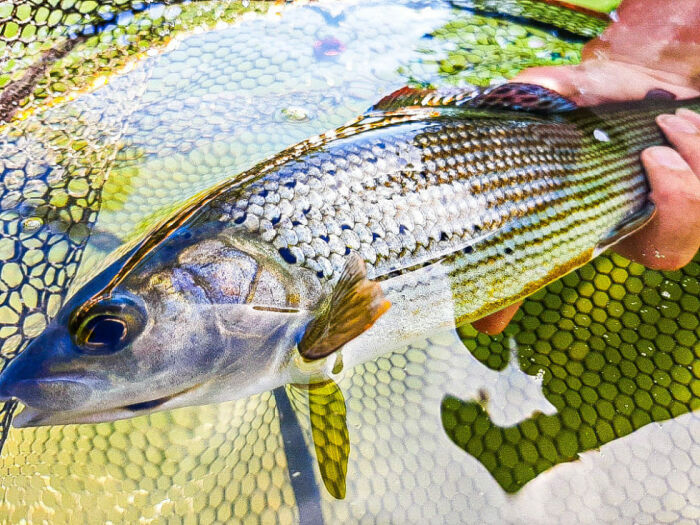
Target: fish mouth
155, 403
35, 417
51, 394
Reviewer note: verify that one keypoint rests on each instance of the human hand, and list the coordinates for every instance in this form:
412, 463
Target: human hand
655, 45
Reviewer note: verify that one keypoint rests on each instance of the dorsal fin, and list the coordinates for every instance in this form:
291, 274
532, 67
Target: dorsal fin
353, 307
511, 97
404, 97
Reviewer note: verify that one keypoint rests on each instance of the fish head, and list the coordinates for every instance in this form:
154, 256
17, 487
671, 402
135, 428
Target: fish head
166, 336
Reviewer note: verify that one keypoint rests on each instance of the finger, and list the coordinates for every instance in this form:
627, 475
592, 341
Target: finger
495, 323
687, 114
596, 81
659, 34
683, 131
672, 237
561, 79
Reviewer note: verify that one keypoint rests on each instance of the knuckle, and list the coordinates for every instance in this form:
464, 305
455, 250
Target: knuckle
688, 198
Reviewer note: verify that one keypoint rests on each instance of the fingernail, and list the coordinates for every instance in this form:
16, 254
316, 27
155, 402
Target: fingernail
668, 158
678, 124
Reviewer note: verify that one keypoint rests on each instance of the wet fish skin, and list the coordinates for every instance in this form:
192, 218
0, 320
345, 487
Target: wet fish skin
500, 197
455, 211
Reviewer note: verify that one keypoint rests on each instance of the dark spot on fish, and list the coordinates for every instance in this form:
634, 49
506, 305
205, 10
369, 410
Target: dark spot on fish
306, 210
375, 236
287, 255
296, 223
428, 36
468, 249
443, 236
345, 227
290, 184
241, 219
347, 250
275, 220
477, 228
263, 193
402, 229
319, 274
509, 250
325, 238
556, 55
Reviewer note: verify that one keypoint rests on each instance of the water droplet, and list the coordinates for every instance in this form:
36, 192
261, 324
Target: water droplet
600, 135
540, 374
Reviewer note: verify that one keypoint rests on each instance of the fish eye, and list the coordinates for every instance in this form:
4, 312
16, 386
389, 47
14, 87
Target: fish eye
108, 325
104, 331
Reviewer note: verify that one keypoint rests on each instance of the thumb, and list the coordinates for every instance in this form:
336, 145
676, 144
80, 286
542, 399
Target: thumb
596, 81
672, 237
496, 322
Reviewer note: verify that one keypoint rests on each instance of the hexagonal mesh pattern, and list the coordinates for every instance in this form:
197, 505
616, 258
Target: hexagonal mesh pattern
55, 160
40, 36
215, 463
617, 348
613, 347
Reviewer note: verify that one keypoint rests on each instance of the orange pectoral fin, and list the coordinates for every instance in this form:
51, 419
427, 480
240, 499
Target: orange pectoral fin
354, 306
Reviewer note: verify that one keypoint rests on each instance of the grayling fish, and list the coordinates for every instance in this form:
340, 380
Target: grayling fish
433, 209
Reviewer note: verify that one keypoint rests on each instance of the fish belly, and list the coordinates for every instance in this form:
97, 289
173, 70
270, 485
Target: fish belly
421, 304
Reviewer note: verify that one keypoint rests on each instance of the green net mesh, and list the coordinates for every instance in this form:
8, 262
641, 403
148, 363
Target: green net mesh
113, 114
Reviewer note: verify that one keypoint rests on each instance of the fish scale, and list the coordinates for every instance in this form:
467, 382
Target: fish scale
498, 196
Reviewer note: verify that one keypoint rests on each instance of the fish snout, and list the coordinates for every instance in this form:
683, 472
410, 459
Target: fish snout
47, 394
7, 381
29, 379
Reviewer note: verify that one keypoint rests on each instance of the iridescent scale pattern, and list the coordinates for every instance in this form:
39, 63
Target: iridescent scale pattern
509, 201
